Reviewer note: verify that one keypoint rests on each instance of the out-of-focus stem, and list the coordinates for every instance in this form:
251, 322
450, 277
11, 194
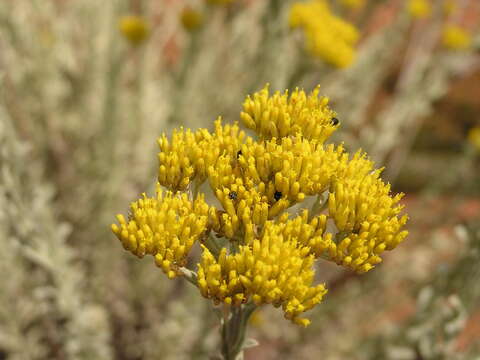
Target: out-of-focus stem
187, 61
302, 69
113, 72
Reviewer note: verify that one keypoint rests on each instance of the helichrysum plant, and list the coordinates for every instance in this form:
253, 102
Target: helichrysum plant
285, 200
327, 36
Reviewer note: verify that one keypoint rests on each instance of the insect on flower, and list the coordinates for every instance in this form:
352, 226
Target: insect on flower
277, 196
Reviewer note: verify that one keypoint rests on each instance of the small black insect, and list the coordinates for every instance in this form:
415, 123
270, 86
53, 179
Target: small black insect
335, 121
232, 195
239, 153
277, 196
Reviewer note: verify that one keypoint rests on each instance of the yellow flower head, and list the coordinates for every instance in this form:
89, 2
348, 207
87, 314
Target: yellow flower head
191, 19
474, 137
419, 9
456, 38
281, 115
272, 270
188, 155
353, 4
134, 28
267, 179
326, 35
365, 214
260, 243
165, 227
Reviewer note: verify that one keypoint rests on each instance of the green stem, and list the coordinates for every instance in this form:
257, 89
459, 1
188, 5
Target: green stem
233, 331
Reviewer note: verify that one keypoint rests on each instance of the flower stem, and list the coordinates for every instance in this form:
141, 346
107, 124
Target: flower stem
233, 330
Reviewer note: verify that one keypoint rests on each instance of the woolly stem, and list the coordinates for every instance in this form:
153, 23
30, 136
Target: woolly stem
234, 326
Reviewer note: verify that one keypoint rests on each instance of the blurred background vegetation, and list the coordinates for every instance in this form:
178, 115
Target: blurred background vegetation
86, 88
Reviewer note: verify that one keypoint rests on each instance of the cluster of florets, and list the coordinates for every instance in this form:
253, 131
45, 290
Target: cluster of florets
327, 36
261, 242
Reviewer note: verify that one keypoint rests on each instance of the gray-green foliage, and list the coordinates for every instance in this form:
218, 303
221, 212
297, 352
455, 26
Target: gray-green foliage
444, 304
42, 297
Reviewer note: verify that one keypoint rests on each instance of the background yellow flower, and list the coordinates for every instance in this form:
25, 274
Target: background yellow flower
456, 38
134, 28
419, 8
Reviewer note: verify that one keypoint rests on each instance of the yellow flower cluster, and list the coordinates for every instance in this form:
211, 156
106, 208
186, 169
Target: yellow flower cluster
134, 28
311, 233
456, 38
327, 36
189, 154
165, 227
282, 115
365, 215
272, 270
268, 249
268, 178
419, 8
